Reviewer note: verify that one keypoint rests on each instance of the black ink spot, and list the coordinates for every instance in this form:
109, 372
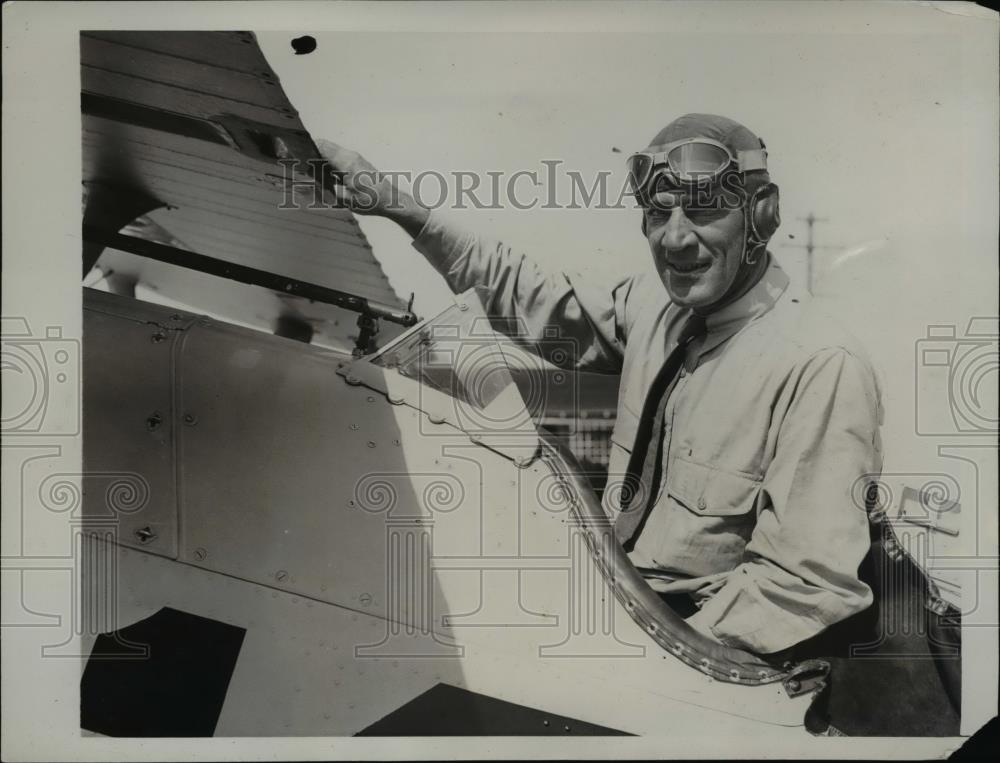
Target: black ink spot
303, 45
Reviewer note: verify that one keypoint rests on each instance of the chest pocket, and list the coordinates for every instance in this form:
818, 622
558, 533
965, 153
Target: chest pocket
709, 491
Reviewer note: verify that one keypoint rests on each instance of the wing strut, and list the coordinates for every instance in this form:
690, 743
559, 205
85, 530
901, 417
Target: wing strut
370, 311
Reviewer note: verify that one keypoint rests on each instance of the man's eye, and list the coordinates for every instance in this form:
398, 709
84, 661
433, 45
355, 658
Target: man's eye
657, 216
699, 215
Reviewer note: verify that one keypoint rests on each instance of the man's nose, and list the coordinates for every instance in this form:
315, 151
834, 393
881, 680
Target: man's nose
678, 233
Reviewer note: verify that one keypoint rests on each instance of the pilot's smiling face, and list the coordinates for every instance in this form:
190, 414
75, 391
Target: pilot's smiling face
696, 248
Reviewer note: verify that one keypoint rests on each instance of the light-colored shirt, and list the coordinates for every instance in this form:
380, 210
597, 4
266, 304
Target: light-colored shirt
769, 436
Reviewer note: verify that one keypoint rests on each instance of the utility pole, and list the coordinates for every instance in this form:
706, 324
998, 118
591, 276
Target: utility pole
810, 221
810, 246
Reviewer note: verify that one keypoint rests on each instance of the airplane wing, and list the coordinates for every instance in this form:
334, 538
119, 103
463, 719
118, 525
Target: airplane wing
177, 136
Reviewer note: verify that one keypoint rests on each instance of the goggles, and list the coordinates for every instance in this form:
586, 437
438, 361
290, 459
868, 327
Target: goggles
691, 161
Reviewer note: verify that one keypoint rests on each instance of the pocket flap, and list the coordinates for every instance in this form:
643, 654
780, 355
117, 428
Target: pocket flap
710, 491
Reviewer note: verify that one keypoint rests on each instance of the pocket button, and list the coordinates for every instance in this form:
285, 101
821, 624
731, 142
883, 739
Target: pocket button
701, 504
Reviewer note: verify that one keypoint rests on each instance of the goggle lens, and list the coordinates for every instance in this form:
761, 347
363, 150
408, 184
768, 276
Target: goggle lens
689, 163
694, 161
639, 167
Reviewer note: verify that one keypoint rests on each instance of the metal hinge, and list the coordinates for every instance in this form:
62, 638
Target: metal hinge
806, 677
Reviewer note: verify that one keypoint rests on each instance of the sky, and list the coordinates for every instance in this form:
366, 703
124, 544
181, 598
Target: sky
853, 123
882, 123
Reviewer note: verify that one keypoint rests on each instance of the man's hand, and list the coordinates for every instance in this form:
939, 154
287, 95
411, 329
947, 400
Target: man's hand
354, 180
359, 186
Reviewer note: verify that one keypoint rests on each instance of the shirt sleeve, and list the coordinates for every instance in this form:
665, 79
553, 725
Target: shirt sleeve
533, 306
800, 569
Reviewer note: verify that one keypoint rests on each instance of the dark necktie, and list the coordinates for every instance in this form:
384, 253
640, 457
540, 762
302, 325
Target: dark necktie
645, 466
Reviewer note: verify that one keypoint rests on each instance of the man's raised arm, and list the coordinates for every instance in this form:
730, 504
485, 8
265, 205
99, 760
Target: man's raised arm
523, 299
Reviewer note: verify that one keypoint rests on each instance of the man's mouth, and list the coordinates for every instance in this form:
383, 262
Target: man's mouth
688, 268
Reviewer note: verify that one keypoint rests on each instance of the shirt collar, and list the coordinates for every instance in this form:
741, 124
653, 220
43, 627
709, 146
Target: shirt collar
760, 299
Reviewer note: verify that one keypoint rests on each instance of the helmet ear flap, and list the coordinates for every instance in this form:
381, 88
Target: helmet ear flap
764, 213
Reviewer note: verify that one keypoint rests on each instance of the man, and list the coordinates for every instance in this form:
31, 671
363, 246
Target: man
745, 420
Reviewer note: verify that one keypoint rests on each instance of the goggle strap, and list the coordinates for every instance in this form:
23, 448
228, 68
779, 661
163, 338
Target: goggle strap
752, 159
